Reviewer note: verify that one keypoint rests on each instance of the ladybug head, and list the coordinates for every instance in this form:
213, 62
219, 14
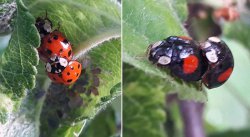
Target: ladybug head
153, 46
160, 53
44, 26
212, 49
56, 64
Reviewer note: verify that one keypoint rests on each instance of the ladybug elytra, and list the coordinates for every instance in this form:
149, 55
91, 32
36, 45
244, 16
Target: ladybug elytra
220, 60
55, 44
181, 56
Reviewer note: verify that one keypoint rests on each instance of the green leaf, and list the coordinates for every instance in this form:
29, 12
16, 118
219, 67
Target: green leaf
80, 20
238, 31
92, 26
233, 93
104, 122
143, 107
146, 22
238, 133
17, 68
179, 6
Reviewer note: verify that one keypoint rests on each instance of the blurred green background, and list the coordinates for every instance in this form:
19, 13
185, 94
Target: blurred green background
152, 98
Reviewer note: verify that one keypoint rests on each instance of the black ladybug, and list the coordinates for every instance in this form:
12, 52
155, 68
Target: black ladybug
211, 61
181, 55
220, 60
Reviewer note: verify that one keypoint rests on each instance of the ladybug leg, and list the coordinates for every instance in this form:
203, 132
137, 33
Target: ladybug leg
141, 57
200, 85
46, 17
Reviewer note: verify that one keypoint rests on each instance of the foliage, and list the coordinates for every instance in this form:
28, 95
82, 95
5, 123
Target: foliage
143, 108
145, 22
93, 27
17, 68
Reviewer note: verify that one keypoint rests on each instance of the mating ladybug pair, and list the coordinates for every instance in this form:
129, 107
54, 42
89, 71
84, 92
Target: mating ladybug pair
211, 62
56, 51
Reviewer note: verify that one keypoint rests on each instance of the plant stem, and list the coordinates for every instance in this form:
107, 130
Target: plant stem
191, 113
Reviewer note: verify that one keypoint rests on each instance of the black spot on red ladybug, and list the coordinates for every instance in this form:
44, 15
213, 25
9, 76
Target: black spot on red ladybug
54, 78
61, 50
49, 51
65, 41
68, 73
77, 74
69, 53
72, 68
49, 41
55, 37
78, 66
60, 75
69, 80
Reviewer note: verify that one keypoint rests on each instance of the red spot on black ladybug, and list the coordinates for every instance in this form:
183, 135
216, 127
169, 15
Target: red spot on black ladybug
225, 75
190, 64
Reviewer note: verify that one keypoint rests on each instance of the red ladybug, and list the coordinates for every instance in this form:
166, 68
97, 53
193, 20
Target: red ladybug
71, 73
181, 55
63, 72
220, 60
55, 44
